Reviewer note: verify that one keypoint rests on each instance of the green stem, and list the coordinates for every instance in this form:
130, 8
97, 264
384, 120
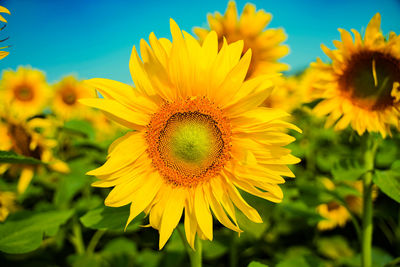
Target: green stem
370, 147
196, 255
233, 253
94, 241
77, 239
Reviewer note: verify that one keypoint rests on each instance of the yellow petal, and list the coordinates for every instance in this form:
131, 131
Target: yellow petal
143, 197
172, 214
203, 214
125, 115
25, 179
124, 153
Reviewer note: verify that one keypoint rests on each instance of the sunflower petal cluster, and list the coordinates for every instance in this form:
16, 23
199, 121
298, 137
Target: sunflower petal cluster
198, 136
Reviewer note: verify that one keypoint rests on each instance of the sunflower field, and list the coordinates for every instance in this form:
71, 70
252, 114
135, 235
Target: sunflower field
214, 150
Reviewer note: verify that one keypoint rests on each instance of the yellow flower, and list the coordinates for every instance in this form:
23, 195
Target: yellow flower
67, 93
26, 141
265, 45
335, 214
3, 54
361, 85
7, 204
199, 135
24, 92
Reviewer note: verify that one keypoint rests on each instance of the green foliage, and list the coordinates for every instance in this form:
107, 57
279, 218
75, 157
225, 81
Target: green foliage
24, 231
110, 218
256, 264
389, 181
348, 170
12, 157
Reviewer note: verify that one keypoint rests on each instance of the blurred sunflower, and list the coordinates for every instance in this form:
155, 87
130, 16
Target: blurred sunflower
24, 92
335, 213
199, 135
286, 94
361, 86
266, 45
3, 54
67, 92
7, 204
26, 140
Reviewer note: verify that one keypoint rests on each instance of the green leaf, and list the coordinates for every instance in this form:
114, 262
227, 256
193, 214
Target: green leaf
256, 264
299, 209
23, 231
71, 183
389, 181
213, 249
348, 170
12, 157
80, 126
335, 247
108, 218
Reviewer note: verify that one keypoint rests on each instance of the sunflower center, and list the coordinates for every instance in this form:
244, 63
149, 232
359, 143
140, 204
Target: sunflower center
333, 206
23, 93
369, 79
189, 141
21, 141
69, 97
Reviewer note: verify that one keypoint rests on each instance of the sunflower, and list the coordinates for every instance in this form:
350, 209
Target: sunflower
199, 136
7, 204
67, 93
361, 86
3, 54
336, 214
266, 45
23, 92
26, 140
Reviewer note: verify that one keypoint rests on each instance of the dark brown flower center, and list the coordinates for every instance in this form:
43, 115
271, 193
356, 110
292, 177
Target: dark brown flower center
23, 93
369, 78
333, 206
69, 97
21, 141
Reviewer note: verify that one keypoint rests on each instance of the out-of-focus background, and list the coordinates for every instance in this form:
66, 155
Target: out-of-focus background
94, 38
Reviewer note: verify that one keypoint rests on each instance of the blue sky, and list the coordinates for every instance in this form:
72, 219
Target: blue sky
94, 38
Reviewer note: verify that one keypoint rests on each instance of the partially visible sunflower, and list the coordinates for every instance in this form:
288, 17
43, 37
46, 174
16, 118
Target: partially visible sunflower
199, 135
26, 140
24, 92
3, 54
266, 45
4, 10
7, 204
361, 86
66, 94
335, 213
286, 94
